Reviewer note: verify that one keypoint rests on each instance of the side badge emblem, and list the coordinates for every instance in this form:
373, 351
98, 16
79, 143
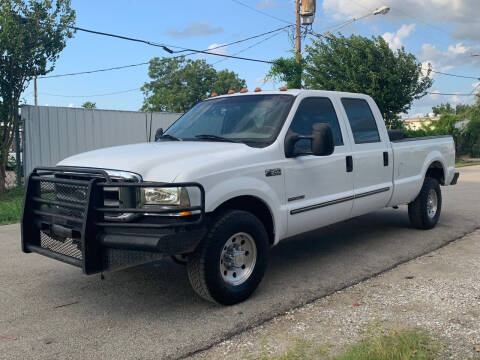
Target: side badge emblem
273, 172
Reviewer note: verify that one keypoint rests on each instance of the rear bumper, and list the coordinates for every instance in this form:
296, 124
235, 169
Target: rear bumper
455, 178
78, 233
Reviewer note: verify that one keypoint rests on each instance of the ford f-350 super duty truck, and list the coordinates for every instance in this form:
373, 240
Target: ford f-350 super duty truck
228, 180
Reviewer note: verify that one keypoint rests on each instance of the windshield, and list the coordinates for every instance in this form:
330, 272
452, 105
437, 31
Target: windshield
252, 119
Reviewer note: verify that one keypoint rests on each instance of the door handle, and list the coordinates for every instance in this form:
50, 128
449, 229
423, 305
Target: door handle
385, 158
349, 163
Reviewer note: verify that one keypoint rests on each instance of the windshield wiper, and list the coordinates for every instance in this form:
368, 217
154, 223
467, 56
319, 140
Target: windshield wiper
171, 137
214, 138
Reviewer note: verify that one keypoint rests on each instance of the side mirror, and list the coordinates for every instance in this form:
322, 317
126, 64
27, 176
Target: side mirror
158, 134
321, 140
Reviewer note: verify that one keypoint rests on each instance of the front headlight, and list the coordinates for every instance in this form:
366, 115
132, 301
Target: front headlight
166, 196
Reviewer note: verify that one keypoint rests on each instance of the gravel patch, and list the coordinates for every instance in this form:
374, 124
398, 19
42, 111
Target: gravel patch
439, 292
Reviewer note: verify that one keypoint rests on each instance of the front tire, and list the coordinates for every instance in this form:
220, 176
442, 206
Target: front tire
231, 260
425, 210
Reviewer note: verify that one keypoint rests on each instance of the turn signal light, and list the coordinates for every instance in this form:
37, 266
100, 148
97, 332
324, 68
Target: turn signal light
283, 88
185, 213
231, 92
257, 89
244, 90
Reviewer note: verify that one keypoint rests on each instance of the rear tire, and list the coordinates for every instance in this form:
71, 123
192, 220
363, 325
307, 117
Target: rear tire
425, 210
231, 260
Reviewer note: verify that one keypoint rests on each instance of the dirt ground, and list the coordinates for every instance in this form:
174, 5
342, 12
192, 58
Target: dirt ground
439, 292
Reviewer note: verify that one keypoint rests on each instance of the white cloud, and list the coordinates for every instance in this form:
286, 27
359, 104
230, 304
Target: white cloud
395, 40
222, 50
195, 29
458, 49
462, 14
458, 55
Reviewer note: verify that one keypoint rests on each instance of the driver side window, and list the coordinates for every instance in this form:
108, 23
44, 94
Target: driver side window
310, 111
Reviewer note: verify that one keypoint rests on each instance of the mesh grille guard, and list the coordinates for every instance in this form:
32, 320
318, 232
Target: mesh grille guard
63, 218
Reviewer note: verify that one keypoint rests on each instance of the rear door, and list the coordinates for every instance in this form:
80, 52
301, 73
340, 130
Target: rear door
319, 189
371, 155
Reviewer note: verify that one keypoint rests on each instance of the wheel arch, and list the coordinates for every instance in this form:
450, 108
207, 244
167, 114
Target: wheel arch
436, 170
254, 205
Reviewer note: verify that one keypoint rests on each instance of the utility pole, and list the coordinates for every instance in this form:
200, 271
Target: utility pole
35, 93
298, 39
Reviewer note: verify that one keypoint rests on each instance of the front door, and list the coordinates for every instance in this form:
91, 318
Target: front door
319, 189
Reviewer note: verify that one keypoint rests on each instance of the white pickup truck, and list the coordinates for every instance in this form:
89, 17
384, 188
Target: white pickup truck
232, 177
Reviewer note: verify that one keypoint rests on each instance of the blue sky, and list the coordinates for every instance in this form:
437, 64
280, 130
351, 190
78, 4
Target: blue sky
442, 32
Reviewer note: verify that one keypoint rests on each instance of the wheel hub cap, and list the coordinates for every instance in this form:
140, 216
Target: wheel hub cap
432, 203
238, 258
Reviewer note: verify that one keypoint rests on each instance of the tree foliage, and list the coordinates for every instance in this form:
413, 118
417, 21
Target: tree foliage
288, 71
89, 105
359, 64
461, 121
178, 83
32, 35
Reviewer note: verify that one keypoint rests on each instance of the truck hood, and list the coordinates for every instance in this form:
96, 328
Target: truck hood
159, 161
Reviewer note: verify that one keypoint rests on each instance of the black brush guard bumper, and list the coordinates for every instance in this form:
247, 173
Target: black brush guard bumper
78, 233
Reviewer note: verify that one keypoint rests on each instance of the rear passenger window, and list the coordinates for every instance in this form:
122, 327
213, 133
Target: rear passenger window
362, 121
315, 110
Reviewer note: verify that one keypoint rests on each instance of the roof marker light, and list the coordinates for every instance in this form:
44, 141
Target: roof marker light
213, 94
244, 90
231, 92
257, 89
283, 88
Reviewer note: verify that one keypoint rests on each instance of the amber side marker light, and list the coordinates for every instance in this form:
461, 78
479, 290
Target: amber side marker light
257, 89
230, 92
185, 213
283, 88
244, 90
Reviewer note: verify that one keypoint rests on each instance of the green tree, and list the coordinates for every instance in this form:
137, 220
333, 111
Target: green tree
363, 65
227, 80
89, 105
288, 71
32, 35
178, 83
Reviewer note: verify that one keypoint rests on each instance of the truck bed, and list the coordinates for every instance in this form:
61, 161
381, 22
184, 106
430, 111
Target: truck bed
412, 157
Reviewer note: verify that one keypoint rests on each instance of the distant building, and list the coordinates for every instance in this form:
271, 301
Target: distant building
416, 123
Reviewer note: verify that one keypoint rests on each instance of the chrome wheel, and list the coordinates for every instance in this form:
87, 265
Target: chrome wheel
432, 203
238, 258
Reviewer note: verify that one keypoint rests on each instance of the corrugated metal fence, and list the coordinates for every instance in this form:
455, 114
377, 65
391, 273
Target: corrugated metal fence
54, 133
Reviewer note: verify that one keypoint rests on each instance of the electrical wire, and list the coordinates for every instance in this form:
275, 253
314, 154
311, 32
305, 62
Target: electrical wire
93, 95
449, 94
249, 47
262, 12
94, 71
455, 75
167, 49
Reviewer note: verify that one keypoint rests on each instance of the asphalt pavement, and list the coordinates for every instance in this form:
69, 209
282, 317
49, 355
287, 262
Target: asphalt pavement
51, 310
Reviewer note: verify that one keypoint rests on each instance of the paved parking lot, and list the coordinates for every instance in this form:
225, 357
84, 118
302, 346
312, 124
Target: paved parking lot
51, 310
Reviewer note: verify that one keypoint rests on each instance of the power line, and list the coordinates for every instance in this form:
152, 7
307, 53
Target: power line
455, 75
94, 71
249, 47
262, 12
93, 95
449, 94
166, 46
